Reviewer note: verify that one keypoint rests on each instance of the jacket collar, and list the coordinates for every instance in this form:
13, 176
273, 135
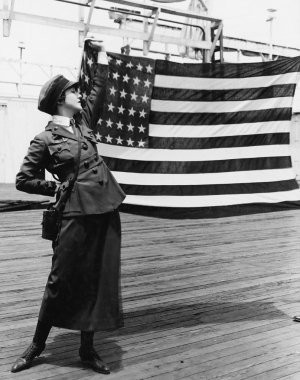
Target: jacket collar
59, 130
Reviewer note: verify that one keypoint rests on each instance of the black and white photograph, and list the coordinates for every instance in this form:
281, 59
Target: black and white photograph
149, 189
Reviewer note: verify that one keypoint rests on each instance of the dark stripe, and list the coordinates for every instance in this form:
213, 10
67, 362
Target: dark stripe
208, 212
285, 90
189, 167
218, 142
185, 118
191, 190
228, 70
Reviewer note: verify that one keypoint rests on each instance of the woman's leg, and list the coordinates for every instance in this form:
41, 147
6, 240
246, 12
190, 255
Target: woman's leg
35, 348
88, 354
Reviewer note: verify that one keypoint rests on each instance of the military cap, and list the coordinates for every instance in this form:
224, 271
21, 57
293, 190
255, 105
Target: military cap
51, 92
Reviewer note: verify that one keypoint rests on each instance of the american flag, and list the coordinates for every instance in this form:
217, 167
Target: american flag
199, 139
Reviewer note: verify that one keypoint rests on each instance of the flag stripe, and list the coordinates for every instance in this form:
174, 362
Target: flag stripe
205, 178
127, 153
228, 70
218, 142
213, 83
238, 188
283, 90
169, 106
179, 167
213, 200
202, 131
183, 118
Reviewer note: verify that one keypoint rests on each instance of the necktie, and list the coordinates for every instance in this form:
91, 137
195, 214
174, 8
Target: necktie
72, 124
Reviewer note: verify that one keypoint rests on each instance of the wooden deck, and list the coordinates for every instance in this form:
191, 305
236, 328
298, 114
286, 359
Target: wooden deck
207, 299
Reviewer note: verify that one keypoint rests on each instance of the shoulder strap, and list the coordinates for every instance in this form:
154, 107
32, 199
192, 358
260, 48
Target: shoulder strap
62, 201
78, 156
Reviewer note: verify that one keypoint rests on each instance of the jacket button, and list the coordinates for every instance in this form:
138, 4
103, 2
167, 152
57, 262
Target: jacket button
95, 171
59, 148
84, 146
86, 164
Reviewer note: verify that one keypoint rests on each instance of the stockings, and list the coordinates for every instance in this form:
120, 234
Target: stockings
87, 340
41, 333
43, 329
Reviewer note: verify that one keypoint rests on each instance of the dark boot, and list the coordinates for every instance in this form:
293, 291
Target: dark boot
36, 347
25, 360
89, 356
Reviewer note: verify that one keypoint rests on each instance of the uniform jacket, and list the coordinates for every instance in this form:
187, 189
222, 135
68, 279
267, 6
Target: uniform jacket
96, 191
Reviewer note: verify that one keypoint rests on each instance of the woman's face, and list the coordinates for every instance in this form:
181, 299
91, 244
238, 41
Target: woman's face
72, 100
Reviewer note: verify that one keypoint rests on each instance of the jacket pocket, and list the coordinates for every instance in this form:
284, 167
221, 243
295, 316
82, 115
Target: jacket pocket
60, 151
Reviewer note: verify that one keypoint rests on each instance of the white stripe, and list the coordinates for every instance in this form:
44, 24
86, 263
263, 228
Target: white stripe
213, 200
163, 130
253, 176
191, 83
158, 105
142, 154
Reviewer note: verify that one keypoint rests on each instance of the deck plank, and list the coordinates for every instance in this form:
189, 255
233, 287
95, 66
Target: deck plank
207, 299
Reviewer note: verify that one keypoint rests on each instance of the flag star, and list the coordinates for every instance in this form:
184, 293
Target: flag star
119, 140
136, 80
98, 137
147, 83
109, 123
145, 98
133, 96
130, 127
108, 138
131, 111
86, 78
130, 65
111, 107
119, 125
100, 121
82, 73
142, 113
84, 95
139, 67
112, 90
116, 75
121, 109
141, 143
149, 68
125, 78
118, 62
123, 93
142, 128
130, 142
90, 61
109, 58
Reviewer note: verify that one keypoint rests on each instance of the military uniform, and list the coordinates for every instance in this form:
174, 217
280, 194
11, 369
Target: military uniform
83, 287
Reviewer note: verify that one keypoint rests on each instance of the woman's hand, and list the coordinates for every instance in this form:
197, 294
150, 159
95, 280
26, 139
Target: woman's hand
99, 46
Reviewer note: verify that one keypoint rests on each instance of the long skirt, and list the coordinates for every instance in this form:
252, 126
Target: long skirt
83, 287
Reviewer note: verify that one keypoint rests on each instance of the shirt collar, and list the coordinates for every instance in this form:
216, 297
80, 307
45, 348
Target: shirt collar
61, 120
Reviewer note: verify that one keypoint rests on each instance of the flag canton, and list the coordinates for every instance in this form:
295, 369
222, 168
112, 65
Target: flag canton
125, 117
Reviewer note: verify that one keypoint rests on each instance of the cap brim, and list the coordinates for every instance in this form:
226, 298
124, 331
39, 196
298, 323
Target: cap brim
70, 85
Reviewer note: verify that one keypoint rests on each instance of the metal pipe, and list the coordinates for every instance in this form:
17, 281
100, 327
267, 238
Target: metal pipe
130, 13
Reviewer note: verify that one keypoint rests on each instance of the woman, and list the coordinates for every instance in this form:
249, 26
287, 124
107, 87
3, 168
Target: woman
82, 291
